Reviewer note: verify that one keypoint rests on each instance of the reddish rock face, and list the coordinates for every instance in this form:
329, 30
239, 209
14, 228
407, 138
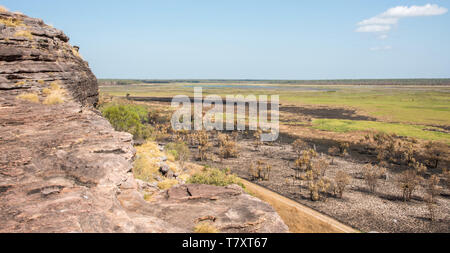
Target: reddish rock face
33, 52
62, 166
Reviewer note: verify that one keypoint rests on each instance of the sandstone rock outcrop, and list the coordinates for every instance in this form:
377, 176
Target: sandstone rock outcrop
62, 166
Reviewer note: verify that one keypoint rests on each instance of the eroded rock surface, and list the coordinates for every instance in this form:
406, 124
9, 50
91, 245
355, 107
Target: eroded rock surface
64, 169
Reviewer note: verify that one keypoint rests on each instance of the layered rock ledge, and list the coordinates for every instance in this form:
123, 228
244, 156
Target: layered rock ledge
62, 166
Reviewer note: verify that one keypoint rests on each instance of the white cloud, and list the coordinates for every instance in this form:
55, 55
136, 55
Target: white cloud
415, 11
384, 21
383, 37
373, 28
385, 48
379, 21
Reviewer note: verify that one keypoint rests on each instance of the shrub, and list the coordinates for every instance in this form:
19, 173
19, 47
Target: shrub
371, 176
128, 118
205, 228
180, 151
408, 182
3, 9
30, 97
341, 181
214, 177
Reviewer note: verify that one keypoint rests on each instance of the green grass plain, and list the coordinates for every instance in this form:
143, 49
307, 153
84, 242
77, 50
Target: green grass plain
406, 110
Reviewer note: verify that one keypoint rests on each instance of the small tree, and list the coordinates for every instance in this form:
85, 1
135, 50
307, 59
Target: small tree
341, 181
371, 175
408, 182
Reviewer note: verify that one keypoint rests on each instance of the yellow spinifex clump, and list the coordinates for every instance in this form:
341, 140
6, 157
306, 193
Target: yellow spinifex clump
25, 34
205, 228
55, 95
30, 97
11, 22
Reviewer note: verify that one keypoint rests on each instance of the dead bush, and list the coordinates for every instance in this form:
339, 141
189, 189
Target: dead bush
343, 148
318, 186
203, 144
432, 187
434, 151
258, 141
372, 175
260, 171
408, 182
341, 181
299, 146
321, 165
304, 163
228, 149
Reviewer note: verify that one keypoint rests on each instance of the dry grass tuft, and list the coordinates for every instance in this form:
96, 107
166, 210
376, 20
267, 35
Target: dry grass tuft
167, 184
146, 163
30, 97
25, 34
205, 228
55, 95
11, 22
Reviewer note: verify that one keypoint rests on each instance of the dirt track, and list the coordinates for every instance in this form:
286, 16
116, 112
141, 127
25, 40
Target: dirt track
299, 218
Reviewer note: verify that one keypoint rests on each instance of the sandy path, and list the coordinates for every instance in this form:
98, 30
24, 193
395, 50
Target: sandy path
299, 218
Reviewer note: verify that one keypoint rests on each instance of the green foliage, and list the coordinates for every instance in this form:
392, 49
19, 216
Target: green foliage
128, 118
215, 177
417, 131
179, 150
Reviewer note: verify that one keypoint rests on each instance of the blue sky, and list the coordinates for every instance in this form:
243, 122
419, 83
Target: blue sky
253, 39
